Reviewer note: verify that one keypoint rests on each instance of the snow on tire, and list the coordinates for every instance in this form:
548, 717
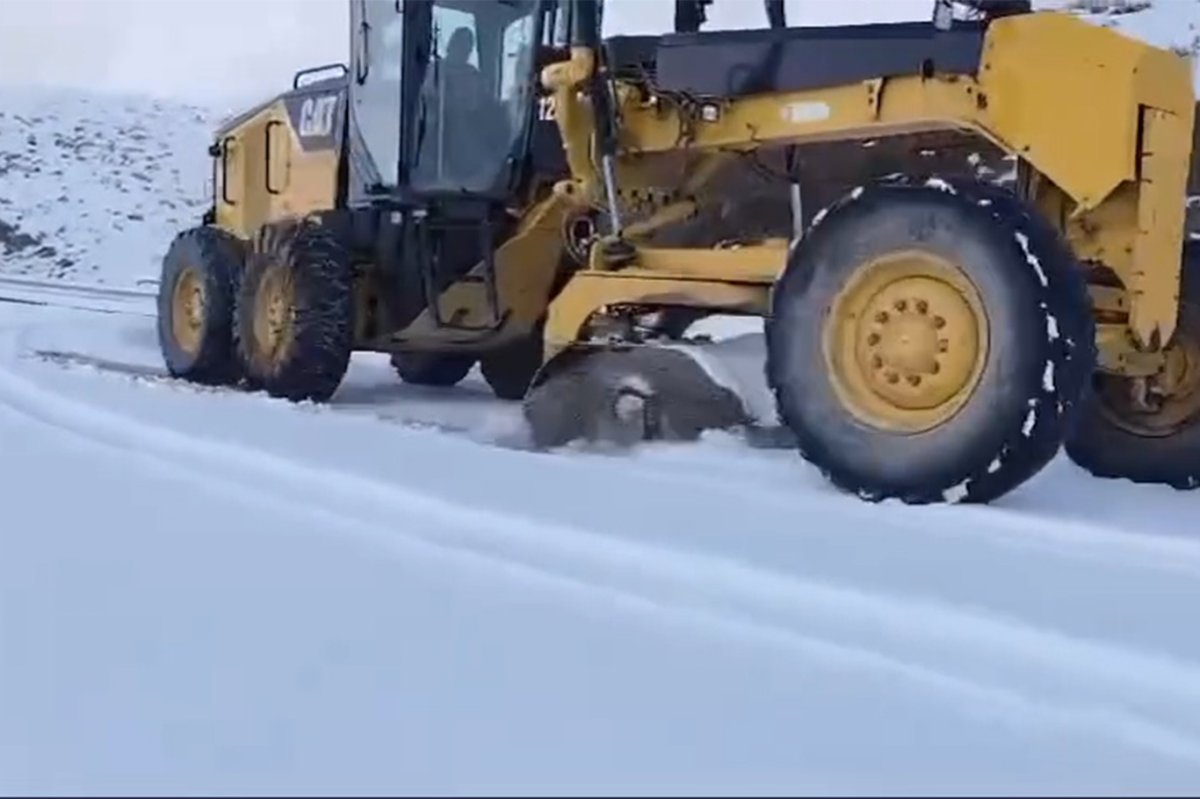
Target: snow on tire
930, 341
294, 318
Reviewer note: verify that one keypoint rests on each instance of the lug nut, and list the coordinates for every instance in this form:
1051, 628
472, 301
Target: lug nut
881, 317
914, 380
939, 322
873, 339
901, 305
943, 345
892, 377
922, 306
877, 362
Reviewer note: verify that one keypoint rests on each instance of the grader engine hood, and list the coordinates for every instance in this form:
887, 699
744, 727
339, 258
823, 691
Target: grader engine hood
280, 157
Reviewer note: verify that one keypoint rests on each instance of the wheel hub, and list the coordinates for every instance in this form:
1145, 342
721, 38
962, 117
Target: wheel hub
273, 313
906, 341
187, 310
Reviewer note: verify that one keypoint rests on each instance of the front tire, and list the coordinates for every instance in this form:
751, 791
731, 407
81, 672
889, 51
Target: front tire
294, 324
930, 342
196, 297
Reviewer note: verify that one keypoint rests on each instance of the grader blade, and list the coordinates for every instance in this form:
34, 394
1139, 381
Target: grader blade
662, 392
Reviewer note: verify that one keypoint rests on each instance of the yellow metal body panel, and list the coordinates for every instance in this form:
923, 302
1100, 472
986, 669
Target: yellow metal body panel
1161, 217
1103, 121
1061, 93
299, 181
526, 265
759, 264
590, 291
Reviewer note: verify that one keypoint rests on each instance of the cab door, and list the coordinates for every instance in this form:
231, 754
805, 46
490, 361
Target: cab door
376, 75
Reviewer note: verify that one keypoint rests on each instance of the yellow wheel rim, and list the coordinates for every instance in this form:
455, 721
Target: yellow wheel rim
274, 314
1173, 397
187, 311
906, 341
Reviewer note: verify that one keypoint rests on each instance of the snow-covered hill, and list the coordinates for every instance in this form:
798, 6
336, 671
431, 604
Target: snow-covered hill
93, 187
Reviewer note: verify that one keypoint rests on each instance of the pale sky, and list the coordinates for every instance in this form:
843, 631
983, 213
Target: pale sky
243, 50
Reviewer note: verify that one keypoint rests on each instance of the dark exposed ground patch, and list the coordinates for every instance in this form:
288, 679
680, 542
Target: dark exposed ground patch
13, 240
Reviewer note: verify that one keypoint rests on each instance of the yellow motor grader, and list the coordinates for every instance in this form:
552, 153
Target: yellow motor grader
494, 183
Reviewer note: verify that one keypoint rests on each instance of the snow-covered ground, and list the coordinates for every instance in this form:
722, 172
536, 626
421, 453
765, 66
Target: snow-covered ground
205, 591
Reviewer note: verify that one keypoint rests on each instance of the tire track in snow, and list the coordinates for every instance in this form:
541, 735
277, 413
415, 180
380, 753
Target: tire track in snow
758, 476
777, 486
1063, 537
42, 303
1075, 683
962, 538
79, 289
748, 572
77, 296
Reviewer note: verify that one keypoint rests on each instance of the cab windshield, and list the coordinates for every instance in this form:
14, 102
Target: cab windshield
475, 101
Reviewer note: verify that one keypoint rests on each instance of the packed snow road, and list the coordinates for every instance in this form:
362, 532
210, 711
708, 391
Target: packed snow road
204, 591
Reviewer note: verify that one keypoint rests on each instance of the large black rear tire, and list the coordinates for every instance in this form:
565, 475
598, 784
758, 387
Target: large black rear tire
930, 342
196, 297
294, 320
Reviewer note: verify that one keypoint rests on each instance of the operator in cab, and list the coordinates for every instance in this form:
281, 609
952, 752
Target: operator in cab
463, 117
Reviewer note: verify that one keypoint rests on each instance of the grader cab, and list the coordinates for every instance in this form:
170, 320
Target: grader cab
493, 183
